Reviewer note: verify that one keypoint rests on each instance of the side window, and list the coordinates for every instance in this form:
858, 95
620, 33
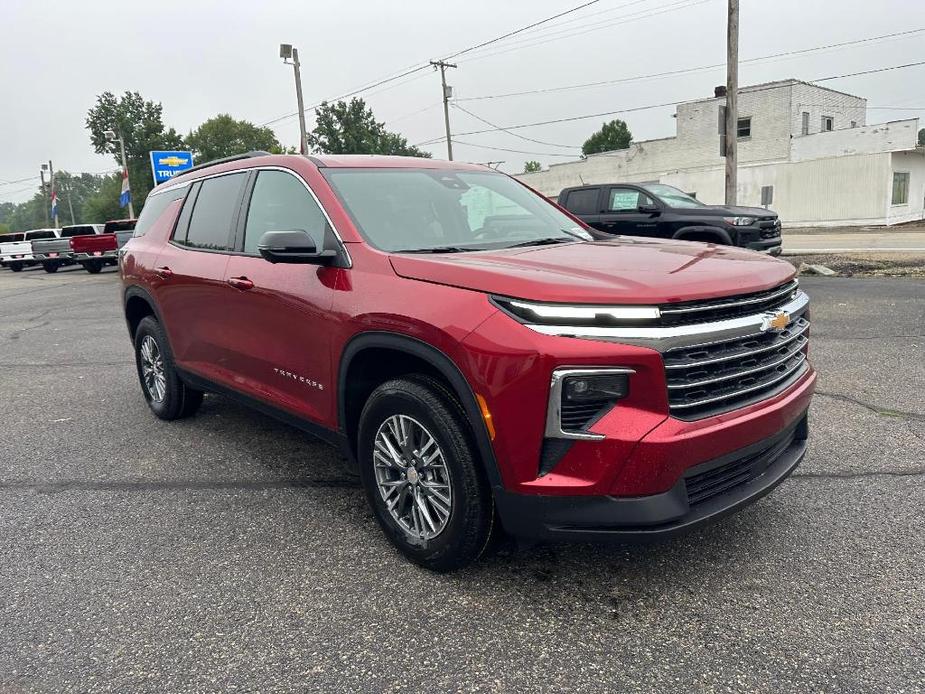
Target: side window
214, 213
627, 200
154, 207
583, 201
280, 202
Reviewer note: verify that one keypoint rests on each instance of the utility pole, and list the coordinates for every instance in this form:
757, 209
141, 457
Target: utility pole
54, 193
44, 192
287, 53
447, 93
732, 107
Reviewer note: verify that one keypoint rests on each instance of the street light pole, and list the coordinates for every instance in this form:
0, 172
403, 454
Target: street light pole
44, 192
54, 200
732, 106
287, 53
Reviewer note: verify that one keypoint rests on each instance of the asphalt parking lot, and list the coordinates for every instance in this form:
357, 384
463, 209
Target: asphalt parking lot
228, 552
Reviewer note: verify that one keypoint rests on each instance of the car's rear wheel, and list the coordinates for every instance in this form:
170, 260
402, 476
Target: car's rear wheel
50, 267
93, 266
16, 267
422, 476
166, 395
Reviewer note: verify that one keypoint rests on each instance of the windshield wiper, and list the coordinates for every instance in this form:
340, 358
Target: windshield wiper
544, 242
437, 249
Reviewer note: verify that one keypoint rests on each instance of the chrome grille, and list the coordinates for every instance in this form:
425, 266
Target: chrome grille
734, 307
716, 377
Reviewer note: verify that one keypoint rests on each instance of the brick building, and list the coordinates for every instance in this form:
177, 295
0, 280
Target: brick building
809, 145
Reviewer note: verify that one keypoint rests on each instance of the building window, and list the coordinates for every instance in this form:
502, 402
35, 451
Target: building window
828, 124
744, 128
900, 188
854, 124
805, 123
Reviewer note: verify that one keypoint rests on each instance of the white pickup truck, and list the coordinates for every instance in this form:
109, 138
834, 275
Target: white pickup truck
18, 254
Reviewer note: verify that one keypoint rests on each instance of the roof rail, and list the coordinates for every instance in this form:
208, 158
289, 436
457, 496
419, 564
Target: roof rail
225, 160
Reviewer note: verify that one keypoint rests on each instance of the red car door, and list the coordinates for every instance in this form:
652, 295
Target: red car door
191, 288
277, 316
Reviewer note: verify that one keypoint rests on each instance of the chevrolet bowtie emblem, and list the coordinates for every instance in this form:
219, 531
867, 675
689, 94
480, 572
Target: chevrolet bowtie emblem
776, 321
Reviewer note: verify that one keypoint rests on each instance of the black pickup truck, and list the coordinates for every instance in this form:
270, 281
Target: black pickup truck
657, 209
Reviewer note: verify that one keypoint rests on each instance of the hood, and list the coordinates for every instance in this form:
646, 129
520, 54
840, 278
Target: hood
625, 270
728, 211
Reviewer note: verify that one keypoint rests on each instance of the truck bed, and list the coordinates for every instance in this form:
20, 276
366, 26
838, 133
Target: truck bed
51, 248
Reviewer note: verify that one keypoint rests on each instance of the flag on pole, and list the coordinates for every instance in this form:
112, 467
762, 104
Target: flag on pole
54, 203
126, 197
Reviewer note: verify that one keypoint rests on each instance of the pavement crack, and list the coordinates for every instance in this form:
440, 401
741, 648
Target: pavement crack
885, 411
168, 485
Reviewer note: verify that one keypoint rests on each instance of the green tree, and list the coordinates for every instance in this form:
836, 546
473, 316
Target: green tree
141, 125
351, 128
223, 136
531, 166
611, 136
104, 204
4, 228
73, 192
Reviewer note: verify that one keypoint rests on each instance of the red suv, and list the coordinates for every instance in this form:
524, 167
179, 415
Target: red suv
481, 360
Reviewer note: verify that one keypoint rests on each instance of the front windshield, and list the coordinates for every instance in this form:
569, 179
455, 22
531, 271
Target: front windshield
432, 210
673, 197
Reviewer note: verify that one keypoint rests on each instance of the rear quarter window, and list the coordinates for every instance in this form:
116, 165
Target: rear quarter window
37, 235
582, 201
154, 208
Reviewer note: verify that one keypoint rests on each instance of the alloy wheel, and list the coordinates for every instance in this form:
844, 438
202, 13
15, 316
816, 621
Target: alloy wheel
152, 369
412, 477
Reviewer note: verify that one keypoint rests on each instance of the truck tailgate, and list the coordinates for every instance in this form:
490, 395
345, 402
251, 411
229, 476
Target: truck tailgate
98, 243
53, 248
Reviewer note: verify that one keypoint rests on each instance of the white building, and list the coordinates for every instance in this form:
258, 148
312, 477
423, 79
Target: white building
812, 145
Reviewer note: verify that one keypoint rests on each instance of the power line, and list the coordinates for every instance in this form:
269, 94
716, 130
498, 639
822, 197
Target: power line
417, 68
625, 19
18, 180
522, 137
684, 71
522, 29
675, 103
516, 151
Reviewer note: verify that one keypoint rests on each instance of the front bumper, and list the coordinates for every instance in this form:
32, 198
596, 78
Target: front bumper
771, 246
705, 493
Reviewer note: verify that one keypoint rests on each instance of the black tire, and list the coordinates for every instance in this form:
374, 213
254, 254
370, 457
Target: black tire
178, 400
471, 522
16, 267
93, 266
50, 267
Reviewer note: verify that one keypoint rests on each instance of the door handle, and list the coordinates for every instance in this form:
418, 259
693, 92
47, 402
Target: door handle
163, 272
241, 283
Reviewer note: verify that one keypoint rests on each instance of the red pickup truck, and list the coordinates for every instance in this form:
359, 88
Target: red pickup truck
478, 356
93, 252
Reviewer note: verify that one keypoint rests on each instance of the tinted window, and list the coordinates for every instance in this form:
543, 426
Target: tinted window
34, 235
84, 230
582, 201
154, 207
281, 202
213, 214
122, 225
9, 238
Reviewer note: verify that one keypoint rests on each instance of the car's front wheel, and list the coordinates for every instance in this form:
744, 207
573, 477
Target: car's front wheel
422, 476
167, 395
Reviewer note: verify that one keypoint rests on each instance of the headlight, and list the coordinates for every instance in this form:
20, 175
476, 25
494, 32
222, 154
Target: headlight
739, 221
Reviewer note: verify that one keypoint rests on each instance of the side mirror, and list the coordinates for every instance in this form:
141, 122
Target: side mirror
649, 209
293, 247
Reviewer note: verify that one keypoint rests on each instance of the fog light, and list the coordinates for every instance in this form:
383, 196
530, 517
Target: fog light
603, 387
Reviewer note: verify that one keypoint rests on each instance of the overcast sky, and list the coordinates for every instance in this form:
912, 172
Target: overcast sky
200, 58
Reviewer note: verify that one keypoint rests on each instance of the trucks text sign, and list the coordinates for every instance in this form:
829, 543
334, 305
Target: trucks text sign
166, 165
